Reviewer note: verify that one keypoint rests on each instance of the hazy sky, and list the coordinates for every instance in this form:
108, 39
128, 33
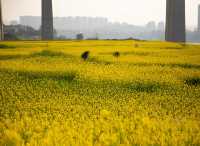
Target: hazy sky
130, 11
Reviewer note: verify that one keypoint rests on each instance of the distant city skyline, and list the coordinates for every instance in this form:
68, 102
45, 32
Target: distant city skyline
120, 11
92, 28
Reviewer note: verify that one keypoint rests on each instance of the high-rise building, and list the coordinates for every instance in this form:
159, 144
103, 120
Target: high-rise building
47, 20
14, 22
33, 21
161, 26
151, 26
1, 24
198, 19
175, 21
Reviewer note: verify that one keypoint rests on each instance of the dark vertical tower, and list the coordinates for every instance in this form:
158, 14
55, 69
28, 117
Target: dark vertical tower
198, 19
1, 24
175, 21
47, 20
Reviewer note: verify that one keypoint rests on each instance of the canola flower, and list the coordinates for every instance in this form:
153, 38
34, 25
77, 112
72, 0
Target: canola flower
149, 95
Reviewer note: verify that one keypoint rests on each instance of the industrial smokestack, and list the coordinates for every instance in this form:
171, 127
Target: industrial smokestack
1, 23
47, 20
175, 21
198, 28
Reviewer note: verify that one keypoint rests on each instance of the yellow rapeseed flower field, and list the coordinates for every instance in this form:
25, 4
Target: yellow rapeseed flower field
147, 94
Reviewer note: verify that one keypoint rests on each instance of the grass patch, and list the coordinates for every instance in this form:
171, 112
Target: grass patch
56, 76
97, 61
111, 87
142, 86
10, 57
3, 46
172, 65
130, 53
181, 47
67, 76
185, 65
44, 53
138, 53
48, 53
195, 81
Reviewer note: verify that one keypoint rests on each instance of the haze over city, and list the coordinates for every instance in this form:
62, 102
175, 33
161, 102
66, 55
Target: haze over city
132, 11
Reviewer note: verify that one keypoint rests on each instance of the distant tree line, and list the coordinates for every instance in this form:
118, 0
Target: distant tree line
22, 32
17, 32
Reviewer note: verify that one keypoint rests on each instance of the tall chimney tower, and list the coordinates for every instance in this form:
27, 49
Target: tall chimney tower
47, 20
198, 28
1, 24
175, 21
